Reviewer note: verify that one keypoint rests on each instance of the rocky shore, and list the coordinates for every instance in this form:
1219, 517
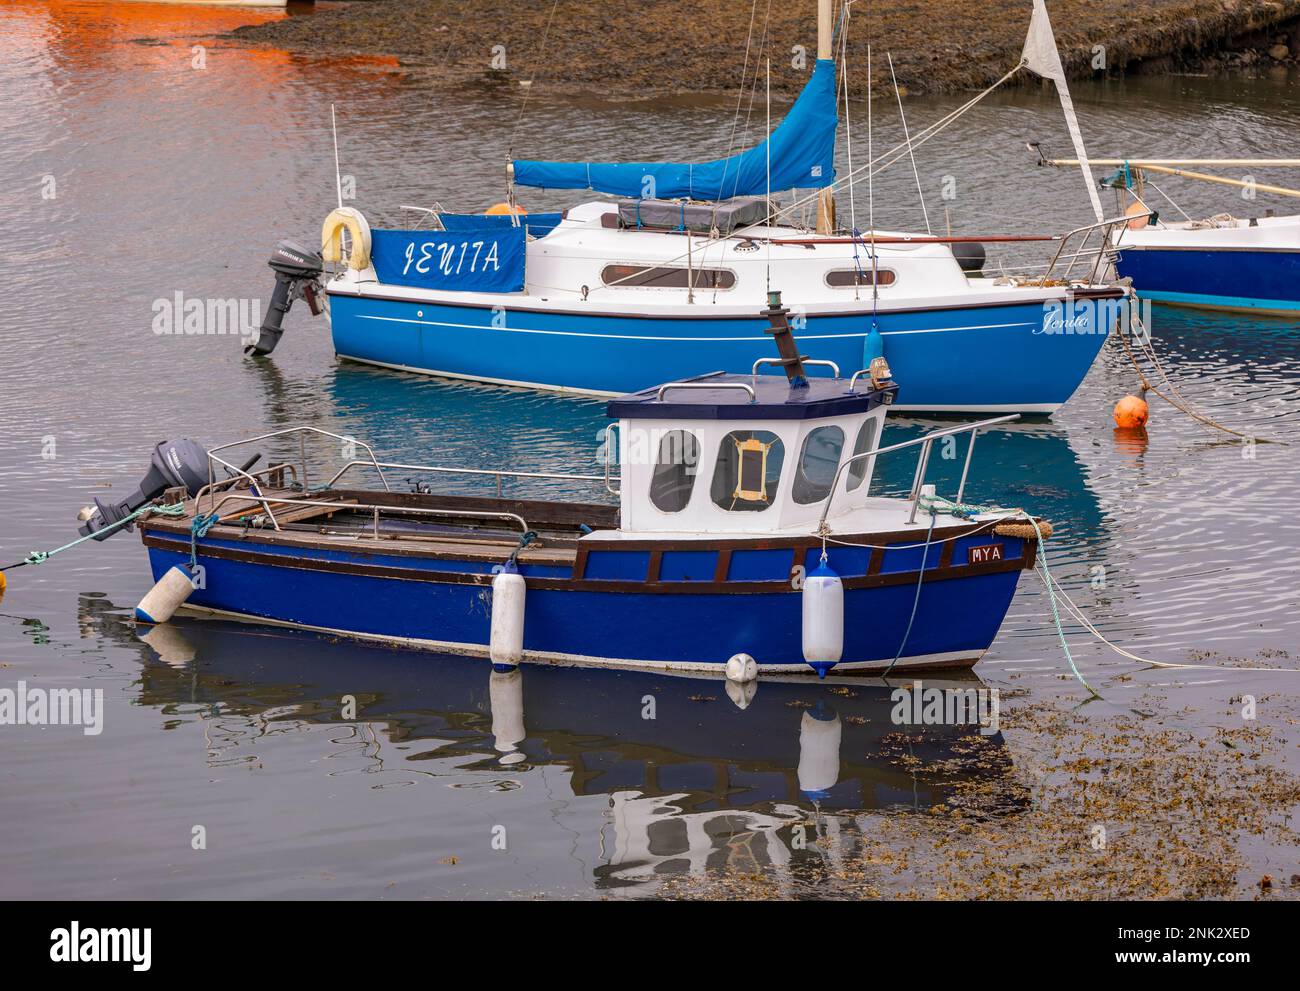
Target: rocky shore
658, 48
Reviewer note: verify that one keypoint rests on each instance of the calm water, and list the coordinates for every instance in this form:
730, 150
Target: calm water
169, 178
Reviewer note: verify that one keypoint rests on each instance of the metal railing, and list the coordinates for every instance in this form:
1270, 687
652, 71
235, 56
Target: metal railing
1107, 229
923, 461
373, 508
212, 492
823, 362
498, 473
753, 397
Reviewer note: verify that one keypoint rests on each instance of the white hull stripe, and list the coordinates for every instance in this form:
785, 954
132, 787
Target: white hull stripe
657, 337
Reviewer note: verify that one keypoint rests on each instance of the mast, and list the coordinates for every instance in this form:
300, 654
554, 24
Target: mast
826, 198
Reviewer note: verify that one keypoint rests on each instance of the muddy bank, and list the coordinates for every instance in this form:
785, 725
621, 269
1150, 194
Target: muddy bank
660, 48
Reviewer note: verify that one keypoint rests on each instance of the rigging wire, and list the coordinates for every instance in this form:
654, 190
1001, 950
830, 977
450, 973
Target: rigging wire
907, 138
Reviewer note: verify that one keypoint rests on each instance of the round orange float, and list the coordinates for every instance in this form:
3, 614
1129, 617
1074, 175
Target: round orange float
504, 210
1131, 412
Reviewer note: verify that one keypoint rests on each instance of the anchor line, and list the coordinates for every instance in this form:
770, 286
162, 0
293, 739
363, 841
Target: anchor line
40, 557
916, 599
1179, 402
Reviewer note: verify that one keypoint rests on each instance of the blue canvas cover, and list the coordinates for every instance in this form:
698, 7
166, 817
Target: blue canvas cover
485, 259
803, 156
538, 224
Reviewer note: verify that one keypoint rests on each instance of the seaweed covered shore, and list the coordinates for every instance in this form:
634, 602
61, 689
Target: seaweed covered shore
657, 48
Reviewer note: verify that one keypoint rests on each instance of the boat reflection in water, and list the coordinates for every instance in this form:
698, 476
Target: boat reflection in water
697, 773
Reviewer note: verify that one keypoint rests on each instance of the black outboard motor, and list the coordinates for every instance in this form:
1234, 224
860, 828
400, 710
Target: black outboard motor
297, 276
174, 463
970, 256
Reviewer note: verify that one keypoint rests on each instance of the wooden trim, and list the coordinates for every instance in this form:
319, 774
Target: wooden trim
722, 567
365, 570
653, 568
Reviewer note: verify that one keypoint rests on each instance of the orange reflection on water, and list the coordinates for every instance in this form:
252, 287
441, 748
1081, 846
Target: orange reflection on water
136, 34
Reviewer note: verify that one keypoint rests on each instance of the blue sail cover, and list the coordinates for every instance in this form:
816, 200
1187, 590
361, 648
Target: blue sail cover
489, 259
537, 224
803, 156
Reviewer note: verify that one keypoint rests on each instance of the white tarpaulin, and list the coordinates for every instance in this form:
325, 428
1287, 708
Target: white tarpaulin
1041, 57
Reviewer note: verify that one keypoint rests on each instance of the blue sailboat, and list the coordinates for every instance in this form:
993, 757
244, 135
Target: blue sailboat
661, 279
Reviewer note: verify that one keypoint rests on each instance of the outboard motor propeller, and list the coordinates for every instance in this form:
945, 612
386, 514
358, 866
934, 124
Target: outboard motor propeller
174, 463
297, 276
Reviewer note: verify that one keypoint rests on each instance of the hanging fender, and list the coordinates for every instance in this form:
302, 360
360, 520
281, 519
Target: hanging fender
331, 238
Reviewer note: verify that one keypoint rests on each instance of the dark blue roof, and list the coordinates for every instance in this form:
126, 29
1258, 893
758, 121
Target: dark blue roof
774, 399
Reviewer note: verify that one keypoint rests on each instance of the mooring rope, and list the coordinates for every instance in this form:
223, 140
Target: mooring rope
40, 557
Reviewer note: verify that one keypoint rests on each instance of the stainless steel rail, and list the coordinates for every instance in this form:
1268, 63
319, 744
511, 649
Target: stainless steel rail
373, 508
498, 473
923, 461
824, 362
1106, 226
753, 397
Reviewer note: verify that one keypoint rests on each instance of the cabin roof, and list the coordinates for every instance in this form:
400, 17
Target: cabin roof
774, 399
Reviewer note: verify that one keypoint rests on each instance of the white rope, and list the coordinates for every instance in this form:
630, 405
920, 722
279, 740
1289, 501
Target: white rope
907, 138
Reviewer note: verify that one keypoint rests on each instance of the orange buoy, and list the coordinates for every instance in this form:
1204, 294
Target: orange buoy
504, 210
1140, 220
1131, 412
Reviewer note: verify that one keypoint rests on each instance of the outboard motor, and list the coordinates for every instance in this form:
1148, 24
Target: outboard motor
297, 276
970, 256
174, 463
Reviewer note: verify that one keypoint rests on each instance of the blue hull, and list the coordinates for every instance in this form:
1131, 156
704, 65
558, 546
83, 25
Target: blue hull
993, 358
445, 605
1232, 280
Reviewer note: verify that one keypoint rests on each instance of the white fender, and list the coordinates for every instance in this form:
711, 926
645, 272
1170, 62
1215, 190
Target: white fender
161, 602
331, 238
823, 619
741, 668
819, 752
506, 695
506, 641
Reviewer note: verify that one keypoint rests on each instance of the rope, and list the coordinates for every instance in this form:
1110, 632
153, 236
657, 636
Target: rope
1056, 617
1180, 403
199, 527
916, 599
528, 537
40, 557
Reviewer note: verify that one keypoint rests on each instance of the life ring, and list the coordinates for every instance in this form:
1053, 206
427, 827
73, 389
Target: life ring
331, 238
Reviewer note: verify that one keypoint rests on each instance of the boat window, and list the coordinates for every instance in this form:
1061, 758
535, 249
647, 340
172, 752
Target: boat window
817, 463
674, 474
848, 277
748, 470
865, 442
667, 278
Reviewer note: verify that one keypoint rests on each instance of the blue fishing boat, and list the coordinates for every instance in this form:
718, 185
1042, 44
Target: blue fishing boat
744, 538
664, 277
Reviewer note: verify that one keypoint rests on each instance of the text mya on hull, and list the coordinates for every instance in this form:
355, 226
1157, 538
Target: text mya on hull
663, 280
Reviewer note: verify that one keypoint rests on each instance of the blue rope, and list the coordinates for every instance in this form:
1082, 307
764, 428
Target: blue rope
199, 527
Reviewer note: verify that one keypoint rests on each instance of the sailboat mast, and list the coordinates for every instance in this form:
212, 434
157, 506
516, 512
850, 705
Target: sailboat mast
826, 199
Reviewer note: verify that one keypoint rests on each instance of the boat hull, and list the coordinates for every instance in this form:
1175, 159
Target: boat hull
610, 615
996, 358
1249, 279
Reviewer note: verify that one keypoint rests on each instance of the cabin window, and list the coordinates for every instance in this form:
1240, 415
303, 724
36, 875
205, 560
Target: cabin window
865, 442
667, 278
748, 471
674, 474
842, 278
817, 463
